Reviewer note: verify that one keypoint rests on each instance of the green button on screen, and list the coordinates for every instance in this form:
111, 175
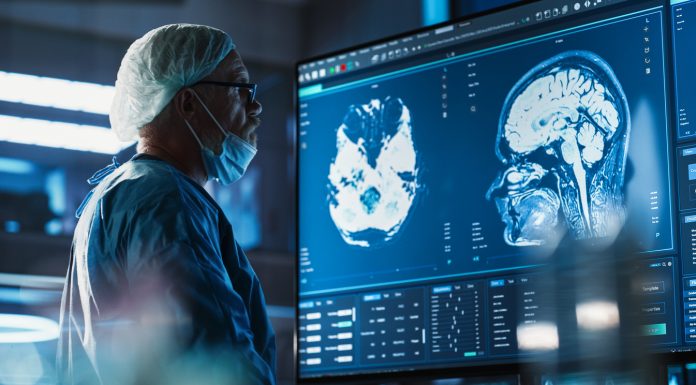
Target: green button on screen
655, 330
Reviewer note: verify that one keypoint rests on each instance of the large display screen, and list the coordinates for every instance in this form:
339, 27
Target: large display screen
436, 168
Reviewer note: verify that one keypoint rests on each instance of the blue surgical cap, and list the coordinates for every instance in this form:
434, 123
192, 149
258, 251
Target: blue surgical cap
157, 66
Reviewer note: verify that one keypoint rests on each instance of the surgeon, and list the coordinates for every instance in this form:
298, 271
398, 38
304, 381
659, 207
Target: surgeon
158, 291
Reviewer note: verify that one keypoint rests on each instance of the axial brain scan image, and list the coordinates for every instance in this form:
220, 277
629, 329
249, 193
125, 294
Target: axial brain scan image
373, 177
563, 137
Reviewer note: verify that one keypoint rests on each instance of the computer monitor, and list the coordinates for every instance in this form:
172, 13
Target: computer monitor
682, 18
436, 167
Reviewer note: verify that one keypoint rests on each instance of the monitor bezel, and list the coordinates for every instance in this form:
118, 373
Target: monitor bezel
528, 369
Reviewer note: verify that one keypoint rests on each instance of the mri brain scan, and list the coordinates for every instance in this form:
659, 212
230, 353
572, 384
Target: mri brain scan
373, 177
563, 140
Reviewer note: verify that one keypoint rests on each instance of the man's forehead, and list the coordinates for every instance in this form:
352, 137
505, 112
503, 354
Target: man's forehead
236, 61
232, 67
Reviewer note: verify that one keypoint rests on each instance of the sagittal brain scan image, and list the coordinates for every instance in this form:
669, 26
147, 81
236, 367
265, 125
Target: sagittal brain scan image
562, 138
373, 177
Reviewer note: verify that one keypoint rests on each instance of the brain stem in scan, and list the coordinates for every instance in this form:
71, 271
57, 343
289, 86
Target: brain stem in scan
563, 140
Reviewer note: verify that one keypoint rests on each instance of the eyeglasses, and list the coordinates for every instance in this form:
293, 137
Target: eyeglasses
249, 86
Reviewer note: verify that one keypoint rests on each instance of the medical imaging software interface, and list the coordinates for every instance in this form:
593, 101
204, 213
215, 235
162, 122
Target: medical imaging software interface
435, 175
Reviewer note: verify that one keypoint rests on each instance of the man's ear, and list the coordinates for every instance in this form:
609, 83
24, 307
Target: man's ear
184, 103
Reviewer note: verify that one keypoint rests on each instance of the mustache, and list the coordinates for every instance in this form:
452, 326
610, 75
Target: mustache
254, 121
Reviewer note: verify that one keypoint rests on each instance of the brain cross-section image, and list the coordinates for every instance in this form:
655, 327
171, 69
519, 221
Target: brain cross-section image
563, 140
373, 177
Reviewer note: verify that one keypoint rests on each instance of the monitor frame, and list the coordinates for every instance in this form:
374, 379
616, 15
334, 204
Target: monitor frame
528, 371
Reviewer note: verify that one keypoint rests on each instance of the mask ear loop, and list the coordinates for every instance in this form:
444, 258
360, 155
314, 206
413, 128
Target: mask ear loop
209, 113
193, 133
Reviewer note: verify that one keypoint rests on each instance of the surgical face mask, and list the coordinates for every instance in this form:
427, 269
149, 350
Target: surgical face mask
234, 159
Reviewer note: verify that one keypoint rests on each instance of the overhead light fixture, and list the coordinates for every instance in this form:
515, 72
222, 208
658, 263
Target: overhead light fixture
32, 281
19, 328
59, 135
16, 166
57, 93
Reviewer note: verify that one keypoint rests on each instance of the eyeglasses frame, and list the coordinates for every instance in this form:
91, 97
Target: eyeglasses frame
249, 86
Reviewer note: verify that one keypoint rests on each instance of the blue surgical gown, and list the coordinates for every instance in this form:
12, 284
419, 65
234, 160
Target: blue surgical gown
150, 242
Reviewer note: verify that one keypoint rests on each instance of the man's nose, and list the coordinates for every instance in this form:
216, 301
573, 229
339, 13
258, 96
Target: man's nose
255, 108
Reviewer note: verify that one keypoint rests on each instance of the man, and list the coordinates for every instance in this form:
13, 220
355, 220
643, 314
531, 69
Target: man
158, 290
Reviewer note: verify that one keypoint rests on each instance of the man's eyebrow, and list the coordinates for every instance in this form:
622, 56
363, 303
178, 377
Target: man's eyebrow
241, 73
